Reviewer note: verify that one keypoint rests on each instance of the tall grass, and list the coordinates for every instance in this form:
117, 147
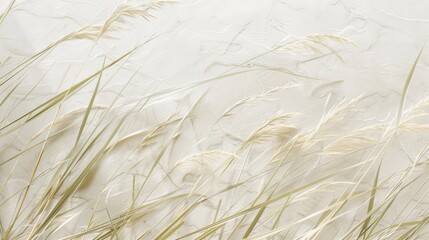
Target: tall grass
89, 162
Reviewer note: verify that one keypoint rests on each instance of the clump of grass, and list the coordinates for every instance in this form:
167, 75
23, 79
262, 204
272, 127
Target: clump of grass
152, 168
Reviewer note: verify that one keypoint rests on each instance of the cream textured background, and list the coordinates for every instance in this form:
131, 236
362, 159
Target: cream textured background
200, 58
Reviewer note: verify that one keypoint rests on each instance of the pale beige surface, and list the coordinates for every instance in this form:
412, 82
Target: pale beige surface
271, 95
